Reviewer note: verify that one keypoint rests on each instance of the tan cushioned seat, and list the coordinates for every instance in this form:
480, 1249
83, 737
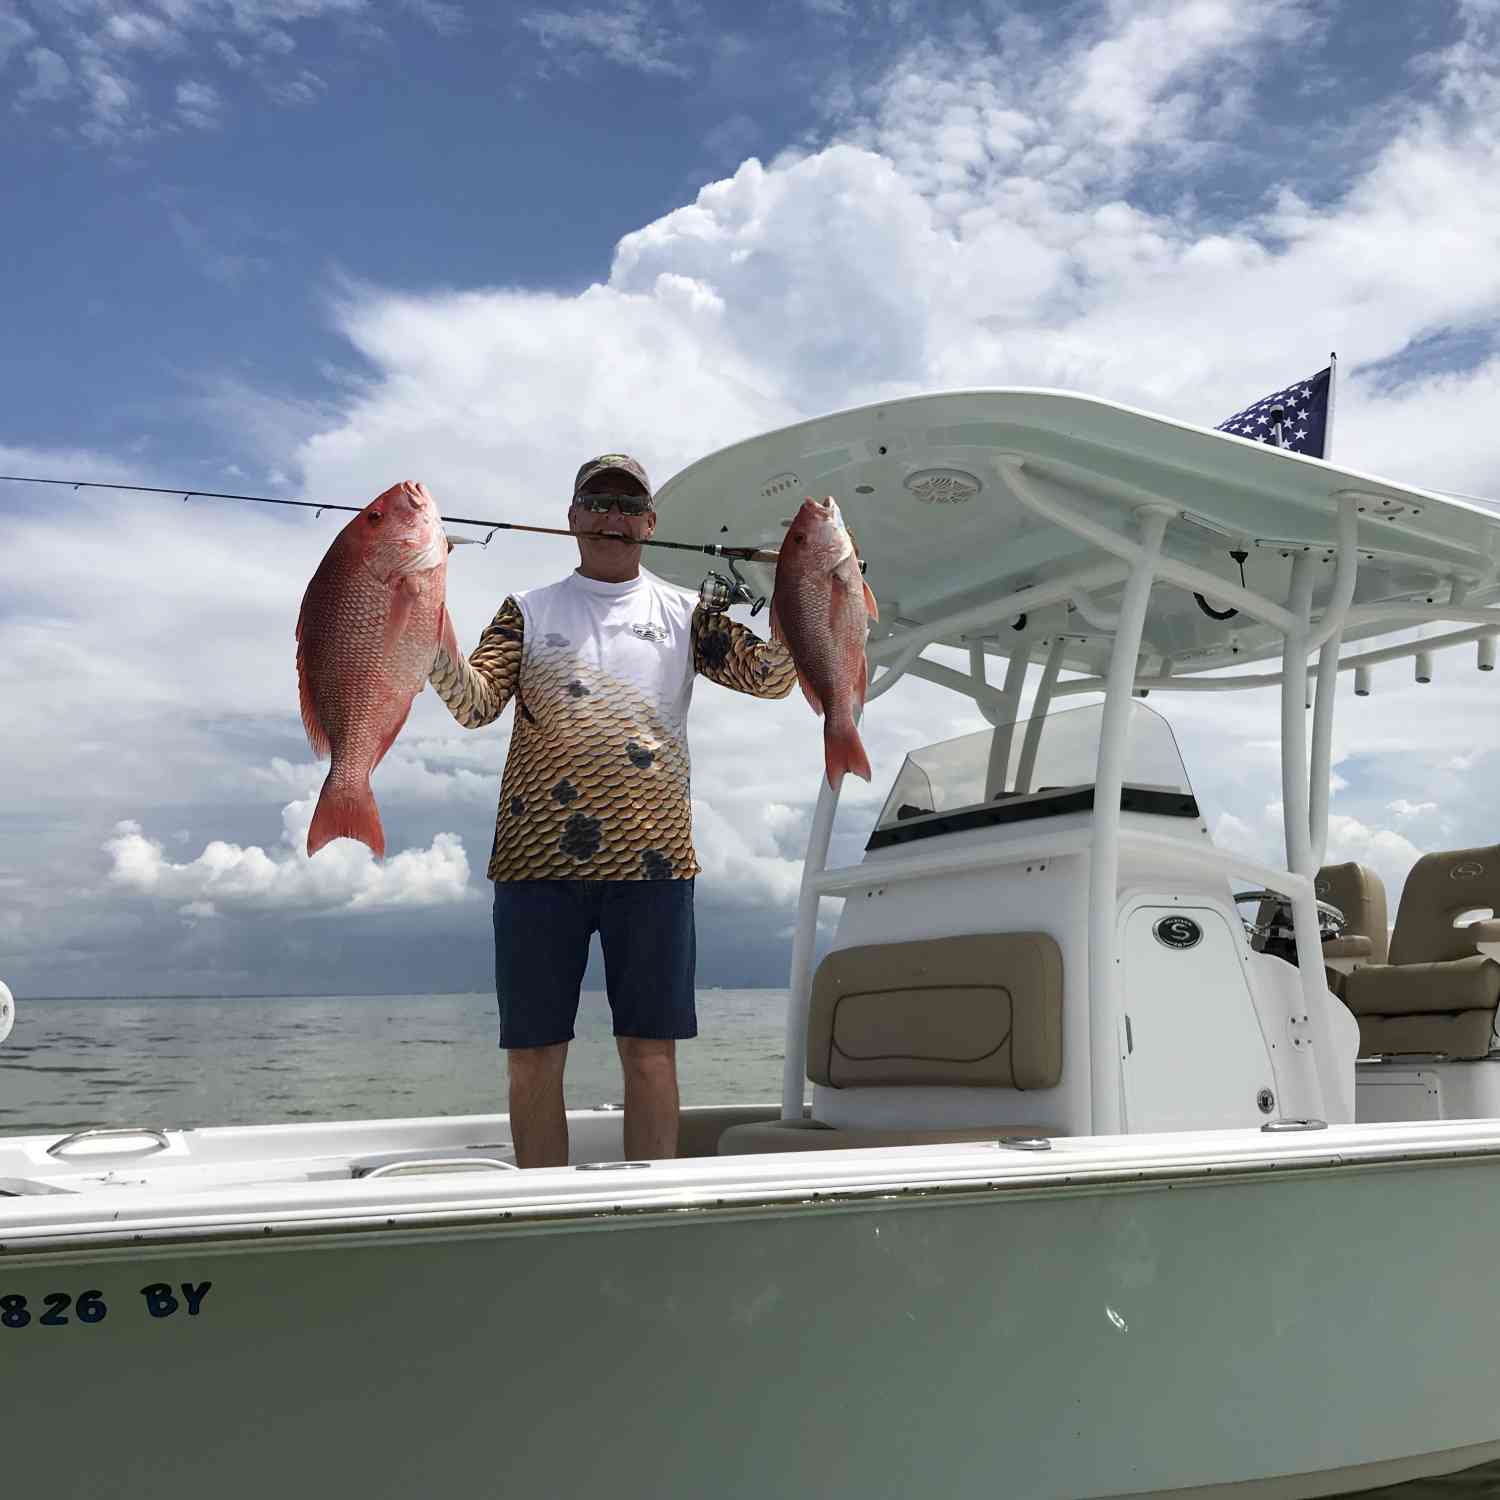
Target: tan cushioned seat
1436, 994
1465, 1034
1471, 983
1440, 888
809, 1135
1360, 896
982, 1010
1348, 947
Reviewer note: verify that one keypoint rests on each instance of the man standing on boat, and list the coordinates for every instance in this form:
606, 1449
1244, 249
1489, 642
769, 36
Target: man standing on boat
594, 829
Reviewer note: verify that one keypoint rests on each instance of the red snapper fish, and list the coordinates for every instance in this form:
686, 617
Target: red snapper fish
821, 608
372, 620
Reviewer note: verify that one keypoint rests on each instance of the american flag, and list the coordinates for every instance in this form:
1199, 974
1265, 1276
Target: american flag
1304, 425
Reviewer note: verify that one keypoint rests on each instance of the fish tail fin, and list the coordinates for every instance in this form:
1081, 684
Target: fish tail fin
346, 812
843, 751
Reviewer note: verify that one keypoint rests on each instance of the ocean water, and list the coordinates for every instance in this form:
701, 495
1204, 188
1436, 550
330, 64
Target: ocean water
257, 1060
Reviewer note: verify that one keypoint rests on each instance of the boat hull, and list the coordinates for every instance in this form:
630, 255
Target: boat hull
1313, 1331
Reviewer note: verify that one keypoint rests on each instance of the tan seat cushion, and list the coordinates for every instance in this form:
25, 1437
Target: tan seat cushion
809, 1135
1440, 888
982, 1010
699, 1127
1471, 983
1464, 1035
1360, 895
1349, 946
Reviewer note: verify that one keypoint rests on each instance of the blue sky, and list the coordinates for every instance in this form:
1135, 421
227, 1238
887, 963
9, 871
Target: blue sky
314, 246
184, 204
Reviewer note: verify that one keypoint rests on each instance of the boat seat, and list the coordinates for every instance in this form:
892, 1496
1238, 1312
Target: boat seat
978, 1011
1438, 991
1359, 893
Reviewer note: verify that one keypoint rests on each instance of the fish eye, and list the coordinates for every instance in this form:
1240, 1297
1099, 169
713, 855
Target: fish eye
799, 536
377, 515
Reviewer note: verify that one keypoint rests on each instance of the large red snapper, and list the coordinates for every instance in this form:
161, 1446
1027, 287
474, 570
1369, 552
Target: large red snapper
372, 620
821, 608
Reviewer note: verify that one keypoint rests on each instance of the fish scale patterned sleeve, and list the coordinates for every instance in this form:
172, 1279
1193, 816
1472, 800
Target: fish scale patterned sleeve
726, 652
476, 688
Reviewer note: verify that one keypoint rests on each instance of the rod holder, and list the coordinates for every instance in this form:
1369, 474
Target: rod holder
1424, 666
1361, 682
1486, 660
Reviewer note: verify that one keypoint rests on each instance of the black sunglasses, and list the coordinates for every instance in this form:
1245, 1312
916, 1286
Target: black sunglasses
628, 505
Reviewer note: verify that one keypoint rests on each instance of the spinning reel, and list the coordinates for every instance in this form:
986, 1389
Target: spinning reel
717, 592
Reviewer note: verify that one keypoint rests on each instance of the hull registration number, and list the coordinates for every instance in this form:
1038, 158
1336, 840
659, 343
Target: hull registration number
158, 1299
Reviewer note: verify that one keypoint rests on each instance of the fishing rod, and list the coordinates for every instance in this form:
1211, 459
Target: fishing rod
712, 549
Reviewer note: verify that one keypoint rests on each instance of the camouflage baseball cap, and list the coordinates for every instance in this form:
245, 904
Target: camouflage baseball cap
606, 463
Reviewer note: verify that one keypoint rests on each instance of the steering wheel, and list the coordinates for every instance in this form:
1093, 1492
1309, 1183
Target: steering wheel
1274, 927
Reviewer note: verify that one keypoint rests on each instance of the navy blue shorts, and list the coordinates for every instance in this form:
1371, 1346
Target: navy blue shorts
542, 932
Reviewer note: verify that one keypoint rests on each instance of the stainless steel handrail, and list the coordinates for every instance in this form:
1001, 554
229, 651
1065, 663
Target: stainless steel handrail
440, 1164
159, 1141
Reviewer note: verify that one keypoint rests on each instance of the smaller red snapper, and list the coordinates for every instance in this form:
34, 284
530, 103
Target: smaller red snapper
372, 620
821, 608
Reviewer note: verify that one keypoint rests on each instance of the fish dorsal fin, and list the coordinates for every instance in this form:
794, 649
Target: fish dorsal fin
317, 736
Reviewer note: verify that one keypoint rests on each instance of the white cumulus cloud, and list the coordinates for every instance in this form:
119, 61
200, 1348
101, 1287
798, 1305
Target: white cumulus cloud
1404, 809
344, 876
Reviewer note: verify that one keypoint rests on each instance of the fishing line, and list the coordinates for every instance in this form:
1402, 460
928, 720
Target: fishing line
713, 549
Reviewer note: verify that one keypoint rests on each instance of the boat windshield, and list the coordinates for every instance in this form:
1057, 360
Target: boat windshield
1036, 768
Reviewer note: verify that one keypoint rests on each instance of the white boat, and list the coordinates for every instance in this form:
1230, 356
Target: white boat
1104, 1201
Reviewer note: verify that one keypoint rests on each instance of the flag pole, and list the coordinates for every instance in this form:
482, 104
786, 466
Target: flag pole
1333, 380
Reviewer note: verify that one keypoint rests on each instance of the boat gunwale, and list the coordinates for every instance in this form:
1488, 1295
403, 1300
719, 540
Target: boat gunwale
1034, 1177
